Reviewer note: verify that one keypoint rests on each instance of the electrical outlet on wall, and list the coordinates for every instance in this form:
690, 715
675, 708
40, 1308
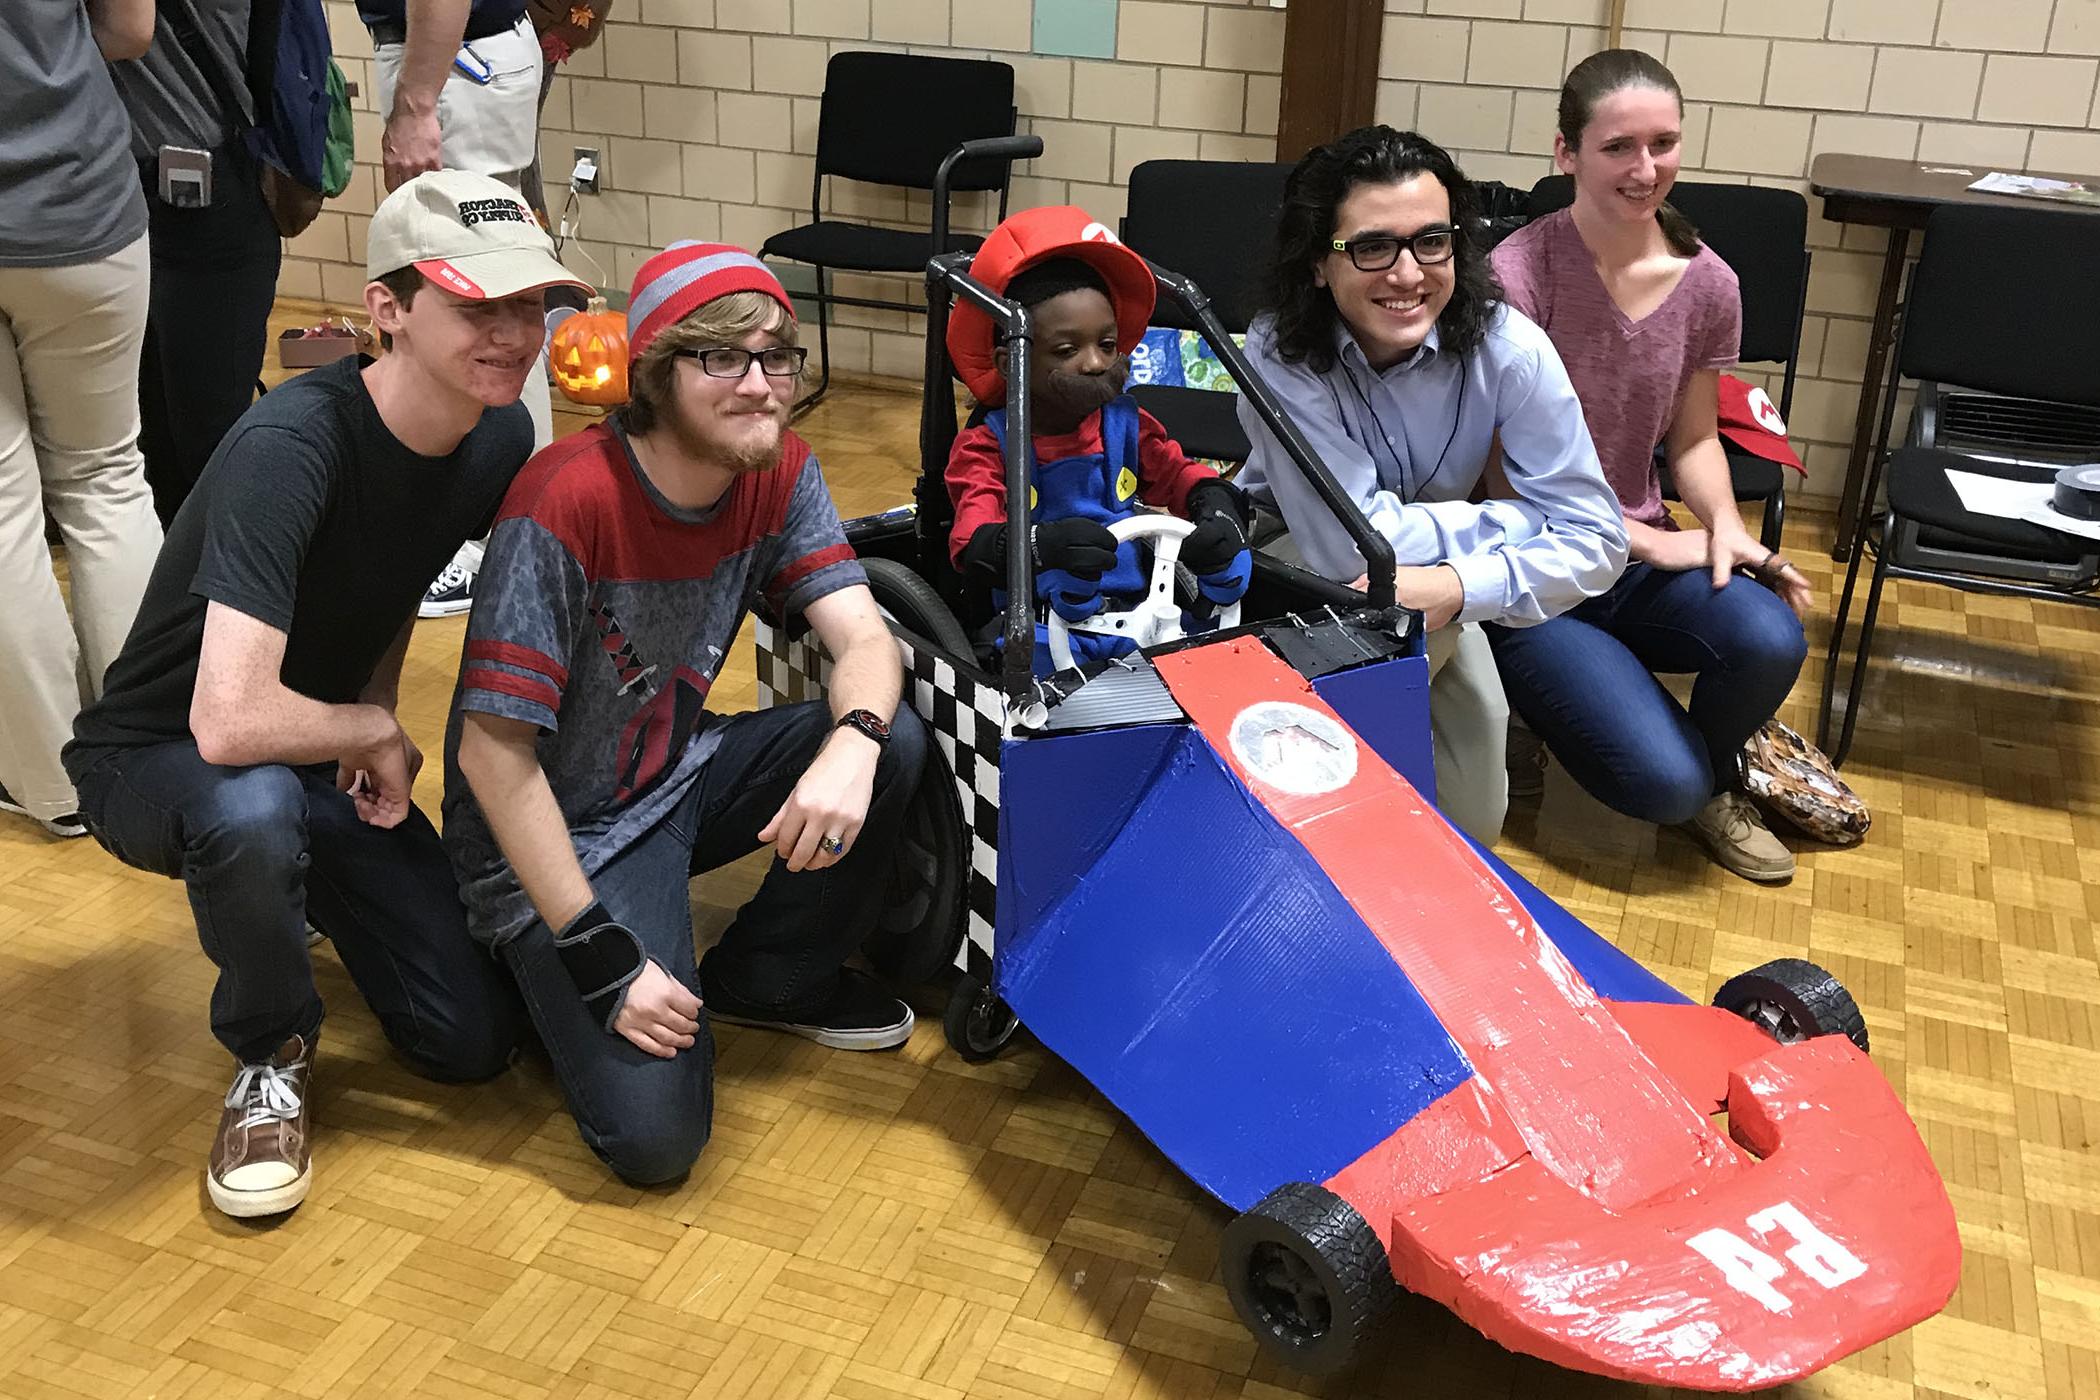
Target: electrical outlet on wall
583, 176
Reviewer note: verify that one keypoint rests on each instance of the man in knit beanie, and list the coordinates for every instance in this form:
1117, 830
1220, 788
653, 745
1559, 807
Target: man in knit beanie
586, 779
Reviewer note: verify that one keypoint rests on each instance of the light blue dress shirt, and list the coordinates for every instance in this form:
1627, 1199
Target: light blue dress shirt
1408, 446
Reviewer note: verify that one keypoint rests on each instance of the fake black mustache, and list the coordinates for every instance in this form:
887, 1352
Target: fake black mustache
1083, 393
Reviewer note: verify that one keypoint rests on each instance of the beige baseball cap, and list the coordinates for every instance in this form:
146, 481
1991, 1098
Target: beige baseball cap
470, 234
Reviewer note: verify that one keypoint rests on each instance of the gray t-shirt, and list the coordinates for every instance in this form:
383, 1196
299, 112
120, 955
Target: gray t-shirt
71, 191
171, 99
602, 614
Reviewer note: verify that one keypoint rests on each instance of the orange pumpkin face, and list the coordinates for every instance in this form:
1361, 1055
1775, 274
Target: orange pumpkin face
589, 356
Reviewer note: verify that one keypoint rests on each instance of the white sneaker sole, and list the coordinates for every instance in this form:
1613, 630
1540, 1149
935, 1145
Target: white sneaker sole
452, 609
246, 1205
875, 1038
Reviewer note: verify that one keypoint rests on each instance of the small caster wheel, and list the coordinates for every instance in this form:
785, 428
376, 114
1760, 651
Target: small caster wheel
1794, 1000
978, 1024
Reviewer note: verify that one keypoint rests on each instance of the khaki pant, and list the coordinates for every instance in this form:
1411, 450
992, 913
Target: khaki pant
492, 129
1468, 722
69, 428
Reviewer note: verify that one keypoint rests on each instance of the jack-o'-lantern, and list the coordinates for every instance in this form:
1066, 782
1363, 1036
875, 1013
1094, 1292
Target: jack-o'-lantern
589, 356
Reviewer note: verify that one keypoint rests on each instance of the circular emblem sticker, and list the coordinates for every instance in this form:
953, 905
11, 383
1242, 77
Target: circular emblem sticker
1293, 748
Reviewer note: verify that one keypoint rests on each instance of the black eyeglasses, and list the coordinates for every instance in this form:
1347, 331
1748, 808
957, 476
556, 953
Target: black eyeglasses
1375, 252
733, 362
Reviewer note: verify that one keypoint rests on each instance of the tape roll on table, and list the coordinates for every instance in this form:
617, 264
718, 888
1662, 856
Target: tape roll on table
2077, 492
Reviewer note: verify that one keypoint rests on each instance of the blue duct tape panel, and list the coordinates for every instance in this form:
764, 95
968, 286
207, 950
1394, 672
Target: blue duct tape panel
1615, 976
1202, 971
1387, 704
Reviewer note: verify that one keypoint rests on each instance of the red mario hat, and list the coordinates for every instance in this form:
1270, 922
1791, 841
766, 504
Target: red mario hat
1749, 420
1023, 240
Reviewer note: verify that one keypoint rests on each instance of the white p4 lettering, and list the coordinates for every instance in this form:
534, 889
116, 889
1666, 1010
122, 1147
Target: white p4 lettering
1750, 1270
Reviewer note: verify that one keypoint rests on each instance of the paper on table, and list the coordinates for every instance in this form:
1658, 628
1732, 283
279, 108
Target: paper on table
2037, 187
1994, 495
2048, 515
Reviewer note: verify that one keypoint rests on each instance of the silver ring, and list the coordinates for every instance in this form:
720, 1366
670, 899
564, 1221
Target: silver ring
832, 845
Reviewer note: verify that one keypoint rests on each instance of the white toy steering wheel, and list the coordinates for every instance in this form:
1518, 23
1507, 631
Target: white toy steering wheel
1156, 617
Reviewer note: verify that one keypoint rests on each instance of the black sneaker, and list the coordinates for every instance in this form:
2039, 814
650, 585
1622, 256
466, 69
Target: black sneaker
452, 591
68, 826
860, 1016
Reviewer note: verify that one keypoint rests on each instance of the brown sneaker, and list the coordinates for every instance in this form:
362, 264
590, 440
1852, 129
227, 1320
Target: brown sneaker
1738, 839
262, 1159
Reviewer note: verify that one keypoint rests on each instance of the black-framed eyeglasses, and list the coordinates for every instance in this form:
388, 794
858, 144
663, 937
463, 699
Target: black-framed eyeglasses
734, 362
1375, 252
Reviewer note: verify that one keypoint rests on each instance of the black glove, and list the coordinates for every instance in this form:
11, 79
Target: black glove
1080, 547
984, 557
1219, 511
602, 956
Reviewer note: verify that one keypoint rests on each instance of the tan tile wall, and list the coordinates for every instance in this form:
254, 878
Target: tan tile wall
706, 114
1986, 84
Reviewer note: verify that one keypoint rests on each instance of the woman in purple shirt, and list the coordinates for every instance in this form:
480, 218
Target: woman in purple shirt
1645, 318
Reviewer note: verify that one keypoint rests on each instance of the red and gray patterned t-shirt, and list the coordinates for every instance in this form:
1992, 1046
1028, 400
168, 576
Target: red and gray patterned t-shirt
602, 613
1629, 375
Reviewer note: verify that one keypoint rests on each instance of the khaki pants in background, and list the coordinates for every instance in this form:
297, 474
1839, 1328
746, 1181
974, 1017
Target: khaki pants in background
1468, 721
69, 430
492, 129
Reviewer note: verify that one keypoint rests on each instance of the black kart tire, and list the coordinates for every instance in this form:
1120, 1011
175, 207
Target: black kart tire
978, 1024
1307, 1276
1793, 1000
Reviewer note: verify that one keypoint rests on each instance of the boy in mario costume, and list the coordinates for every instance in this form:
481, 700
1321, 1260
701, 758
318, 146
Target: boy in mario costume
1097, 454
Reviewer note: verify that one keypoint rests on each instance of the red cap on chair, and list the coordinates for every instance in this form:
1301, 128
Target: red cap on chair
1748, 419
1023, 240
687, 276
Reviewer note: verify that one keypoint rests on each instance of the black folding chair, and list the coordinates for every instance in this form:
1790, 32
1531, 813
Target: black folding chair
1762, 234
2027, 331
1214, 222
889, 119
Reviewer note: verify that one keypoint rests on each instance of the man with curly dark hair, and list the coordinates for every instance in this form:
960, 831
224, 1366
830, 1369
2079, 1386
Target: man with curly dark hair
1387, 338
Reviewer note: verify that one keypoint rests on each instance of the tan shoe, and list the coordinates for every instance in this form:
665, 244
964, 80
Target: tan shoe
1738, 839
262, 1158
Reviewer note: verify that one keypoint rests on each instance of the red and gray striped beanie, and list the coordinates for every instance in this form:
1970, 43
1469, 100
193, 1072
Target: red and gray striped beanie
687, 276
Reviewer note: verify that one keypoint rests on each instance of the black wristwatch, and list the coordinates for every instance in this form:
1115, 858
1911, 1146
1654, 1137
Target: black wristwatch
867, 723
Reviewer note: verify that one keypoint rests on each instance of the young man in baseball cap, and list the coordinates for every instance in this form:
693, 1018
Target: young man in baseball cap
587, 782
246, 741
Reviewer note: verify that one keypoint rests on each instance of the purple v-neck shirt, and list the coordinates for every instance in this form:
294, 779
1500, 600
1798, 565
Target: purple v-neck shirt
1629, 375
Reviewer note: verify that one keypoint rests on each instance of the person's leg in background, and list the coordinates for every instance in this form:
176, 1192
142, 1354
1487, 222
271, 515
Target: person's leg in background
492, 129
69, 356
1469, 726
214, 281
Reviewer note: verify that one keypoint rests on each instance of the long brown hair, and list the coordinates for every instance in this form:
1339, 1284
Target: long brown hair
1370, 155
1598, 77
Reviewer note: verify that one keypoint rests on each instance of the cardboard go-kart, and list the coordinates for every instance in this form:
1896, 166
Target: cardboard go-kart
1211, 877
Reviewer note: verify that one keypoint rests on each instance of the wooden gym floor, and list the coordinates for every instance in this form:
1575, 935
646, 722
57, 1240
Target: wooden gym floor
876, 1227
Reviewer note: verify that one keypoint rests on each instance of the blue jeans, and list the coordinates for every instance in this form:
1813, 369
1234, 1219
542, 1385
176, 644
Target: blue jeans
648, 1118
1585, 684
262, 850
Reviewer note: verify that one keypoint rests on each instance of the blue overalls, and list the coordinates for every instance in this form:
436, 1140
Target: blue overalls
1099, 486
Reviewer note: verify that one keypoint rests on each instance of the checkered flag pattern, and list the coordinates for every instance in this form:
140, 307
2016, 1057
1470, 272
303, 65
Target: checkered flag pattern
966, 713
